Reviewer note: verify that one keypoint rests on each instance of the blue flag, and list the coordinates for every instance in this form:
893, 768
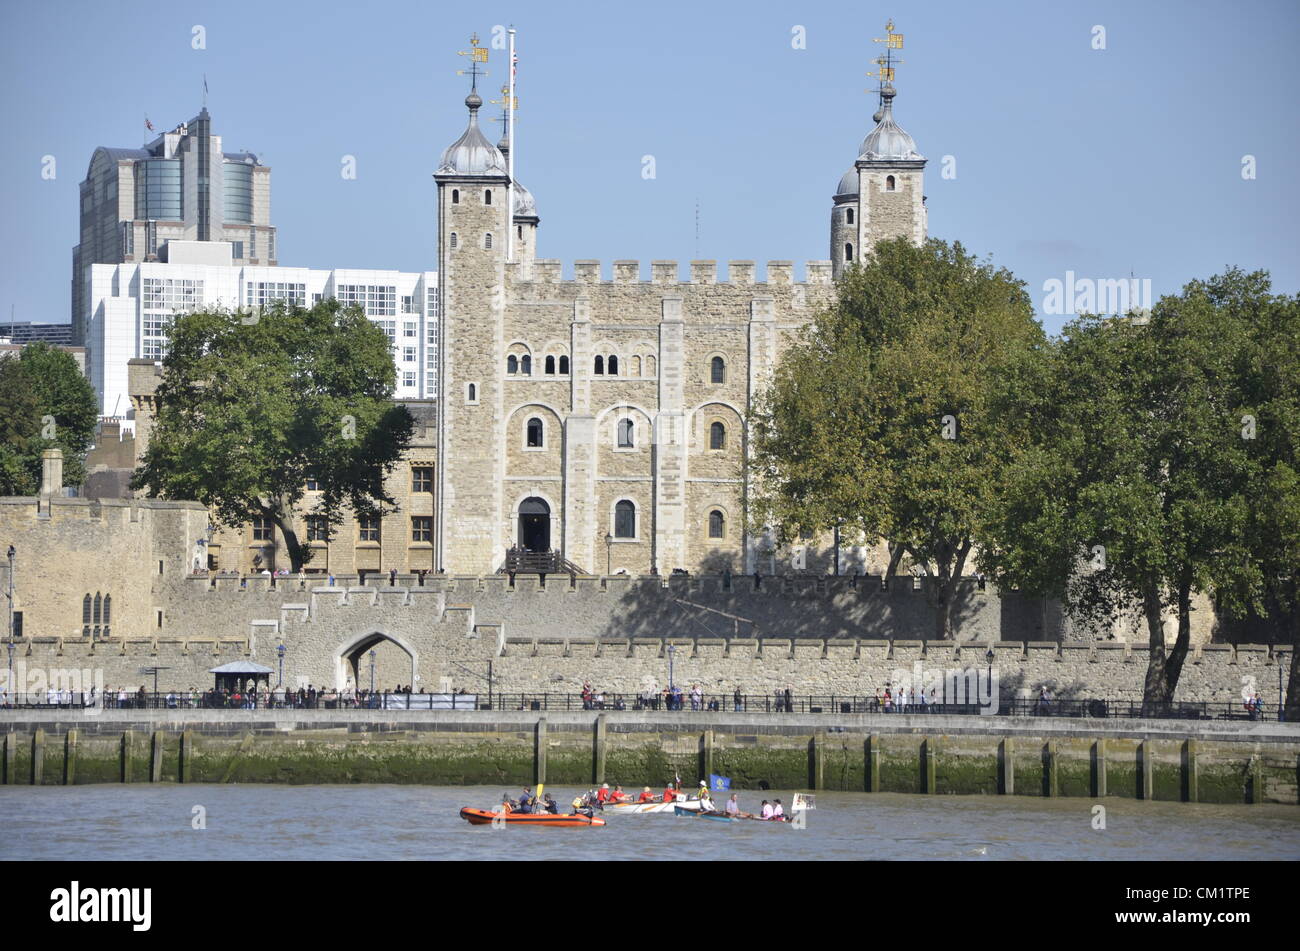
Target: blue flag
719, 783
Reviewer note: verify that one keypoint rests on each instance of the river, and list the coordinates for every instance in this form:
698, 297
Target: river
420, 822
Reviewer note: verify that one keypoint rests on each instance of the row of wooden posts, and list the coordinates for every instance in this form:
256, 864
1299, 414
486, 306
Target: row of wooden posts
872, 751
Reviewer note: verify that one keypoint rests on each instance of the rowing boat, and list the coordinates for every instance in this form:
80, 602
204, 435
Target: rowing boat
697, 814
483, 817
647, 808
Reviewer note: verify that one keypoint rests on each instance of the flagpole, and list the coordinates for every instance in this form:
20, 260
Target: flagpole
510, 160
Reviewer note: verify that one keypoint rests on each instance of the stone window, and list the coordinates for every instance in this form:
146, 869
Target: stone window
519, 230
368, 528
625, 519
600, 365
421, 479
421, 528
263, 529
717, 524
455, 242
455, 196
512, 364
313, 484
718, 370
471, 393
535, 437
649, 366
85, 616
526, 365
318, 528
564, 366
626, 434
635, 367
96, 615
487, 241
487, 196
717, 436
550, 366
889, 183
848, 215
613, 365
848, 253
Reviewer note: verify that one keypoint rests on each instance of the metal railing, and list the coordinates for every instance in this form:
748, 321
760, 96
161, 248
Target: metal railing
828, 704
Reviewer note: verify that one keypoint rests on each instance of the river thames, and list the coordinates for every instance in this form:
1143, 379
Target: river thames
420, 822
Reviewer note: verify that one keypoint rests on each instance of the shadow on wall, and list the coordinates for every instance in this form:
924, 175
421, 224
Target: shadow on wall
799, 606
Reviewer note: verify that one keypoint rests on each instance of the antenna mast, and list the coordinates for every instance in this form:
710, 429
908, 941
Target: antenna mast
511, 105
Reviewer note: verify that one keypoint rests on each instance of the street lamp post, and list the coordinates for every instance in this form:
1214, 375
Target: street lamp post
372, 671
1281, 704
671, 651
11, 553
609, 553
281, 651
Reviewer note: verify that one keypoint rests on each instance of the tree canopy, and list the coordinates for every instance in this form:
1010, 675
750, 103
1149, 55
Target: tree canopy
252, 405
889, 414
45, 403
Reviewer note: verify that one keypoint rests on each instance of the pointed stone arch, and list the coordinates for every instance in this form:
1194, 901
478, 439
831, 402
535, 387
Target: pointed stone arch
348, 661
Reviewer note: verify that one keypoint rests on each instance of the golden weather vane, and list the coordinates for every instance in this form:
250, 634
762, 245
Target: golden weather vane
893, 41
477, 54
506, 101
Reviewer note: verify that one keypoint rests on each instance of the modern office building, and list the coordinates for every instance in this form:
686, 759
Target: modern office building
130, 305
180, 187
23, 332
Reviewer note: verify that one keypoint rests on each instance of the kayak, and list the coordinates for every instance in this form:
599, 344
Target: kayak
484, 817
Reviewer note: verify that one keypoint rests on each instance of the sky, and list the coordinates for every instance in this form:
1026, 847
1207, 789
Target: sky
1153, 140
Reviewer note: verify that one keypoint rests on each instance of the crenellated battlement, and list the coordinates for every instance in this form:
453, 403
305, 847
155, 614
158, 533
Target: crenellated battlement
668, 273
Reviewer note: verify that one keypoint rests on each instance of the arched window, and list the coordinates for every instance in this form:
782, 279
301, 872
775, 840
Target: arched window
625, 520
535, 433
487, 241
550, 366
564, 365
455, 196
848, 216
613, 365
487, 196
717, 436
600, 366
455, 242
718, 371
526, 365
717, 524
99, 607
649, 366
471, 393
848, 252
635, 368
85, 616
512, 364
625, 431
889, 183
108, 613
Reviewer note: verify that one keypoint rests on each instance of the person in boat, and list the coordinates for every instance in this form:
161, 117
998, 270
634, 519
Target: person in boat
507, 804
778, 812
670, 793
525, 806
766, 812
550, 805
602, 796
706, 802
733, 807
646, 795
582, 806
618, 795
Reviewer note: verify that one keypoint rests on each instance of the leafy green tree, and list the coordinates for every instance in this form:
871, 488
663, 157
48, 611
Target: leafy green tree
251, 406
45, 403
1134, 490
886, 416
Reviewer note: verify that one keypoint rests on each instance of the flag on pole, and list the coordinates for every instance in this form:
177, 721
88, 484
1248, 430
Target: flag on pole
147, 124
719, 783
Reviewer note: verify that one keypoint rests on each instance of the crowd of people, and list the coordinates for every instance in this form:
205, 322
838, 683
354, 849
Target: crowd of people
592, 801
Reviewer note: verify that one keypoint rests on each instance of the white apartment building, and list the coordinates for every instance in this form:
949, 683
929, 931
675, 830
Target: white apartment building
130, 305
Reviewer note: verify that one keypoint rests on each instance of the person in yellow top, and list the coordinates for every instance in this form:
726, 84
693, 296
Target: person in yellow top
706, 801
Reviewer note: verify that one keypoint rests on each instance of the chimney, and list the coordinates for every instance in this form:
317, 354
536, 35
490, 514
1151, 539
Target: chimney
51, 472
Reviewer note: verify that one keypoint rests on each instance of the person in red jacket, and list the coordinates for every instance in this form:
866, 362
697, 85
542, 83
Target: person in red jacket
646, 795
602, 795
670, 794
618, 795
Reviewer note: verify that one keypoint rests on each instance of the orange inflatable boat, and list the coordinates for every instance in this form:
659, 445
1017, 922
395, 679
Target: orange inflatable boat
484, 817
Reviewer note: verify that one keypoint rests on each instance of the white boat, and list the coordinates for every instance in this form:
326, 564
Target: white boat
647, 808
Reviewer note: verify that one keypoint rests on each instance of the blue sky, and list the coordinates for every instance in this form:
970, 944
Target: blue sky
1111, 162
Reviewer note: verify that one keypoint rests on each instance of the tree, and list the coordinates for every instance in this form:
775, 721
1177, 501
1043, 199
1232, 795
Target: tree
1133, 491
884, 416
45, 403
252, 405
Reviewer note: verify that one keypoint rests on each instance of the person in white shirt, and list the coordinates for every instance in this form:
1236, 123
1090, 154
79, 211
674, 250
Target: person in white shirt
767, 810
777, 811
733, 807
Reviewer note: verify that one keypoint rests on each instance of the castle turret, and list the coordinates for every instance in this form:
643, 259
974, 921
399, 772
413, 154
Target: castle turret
473, 219
882, 195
